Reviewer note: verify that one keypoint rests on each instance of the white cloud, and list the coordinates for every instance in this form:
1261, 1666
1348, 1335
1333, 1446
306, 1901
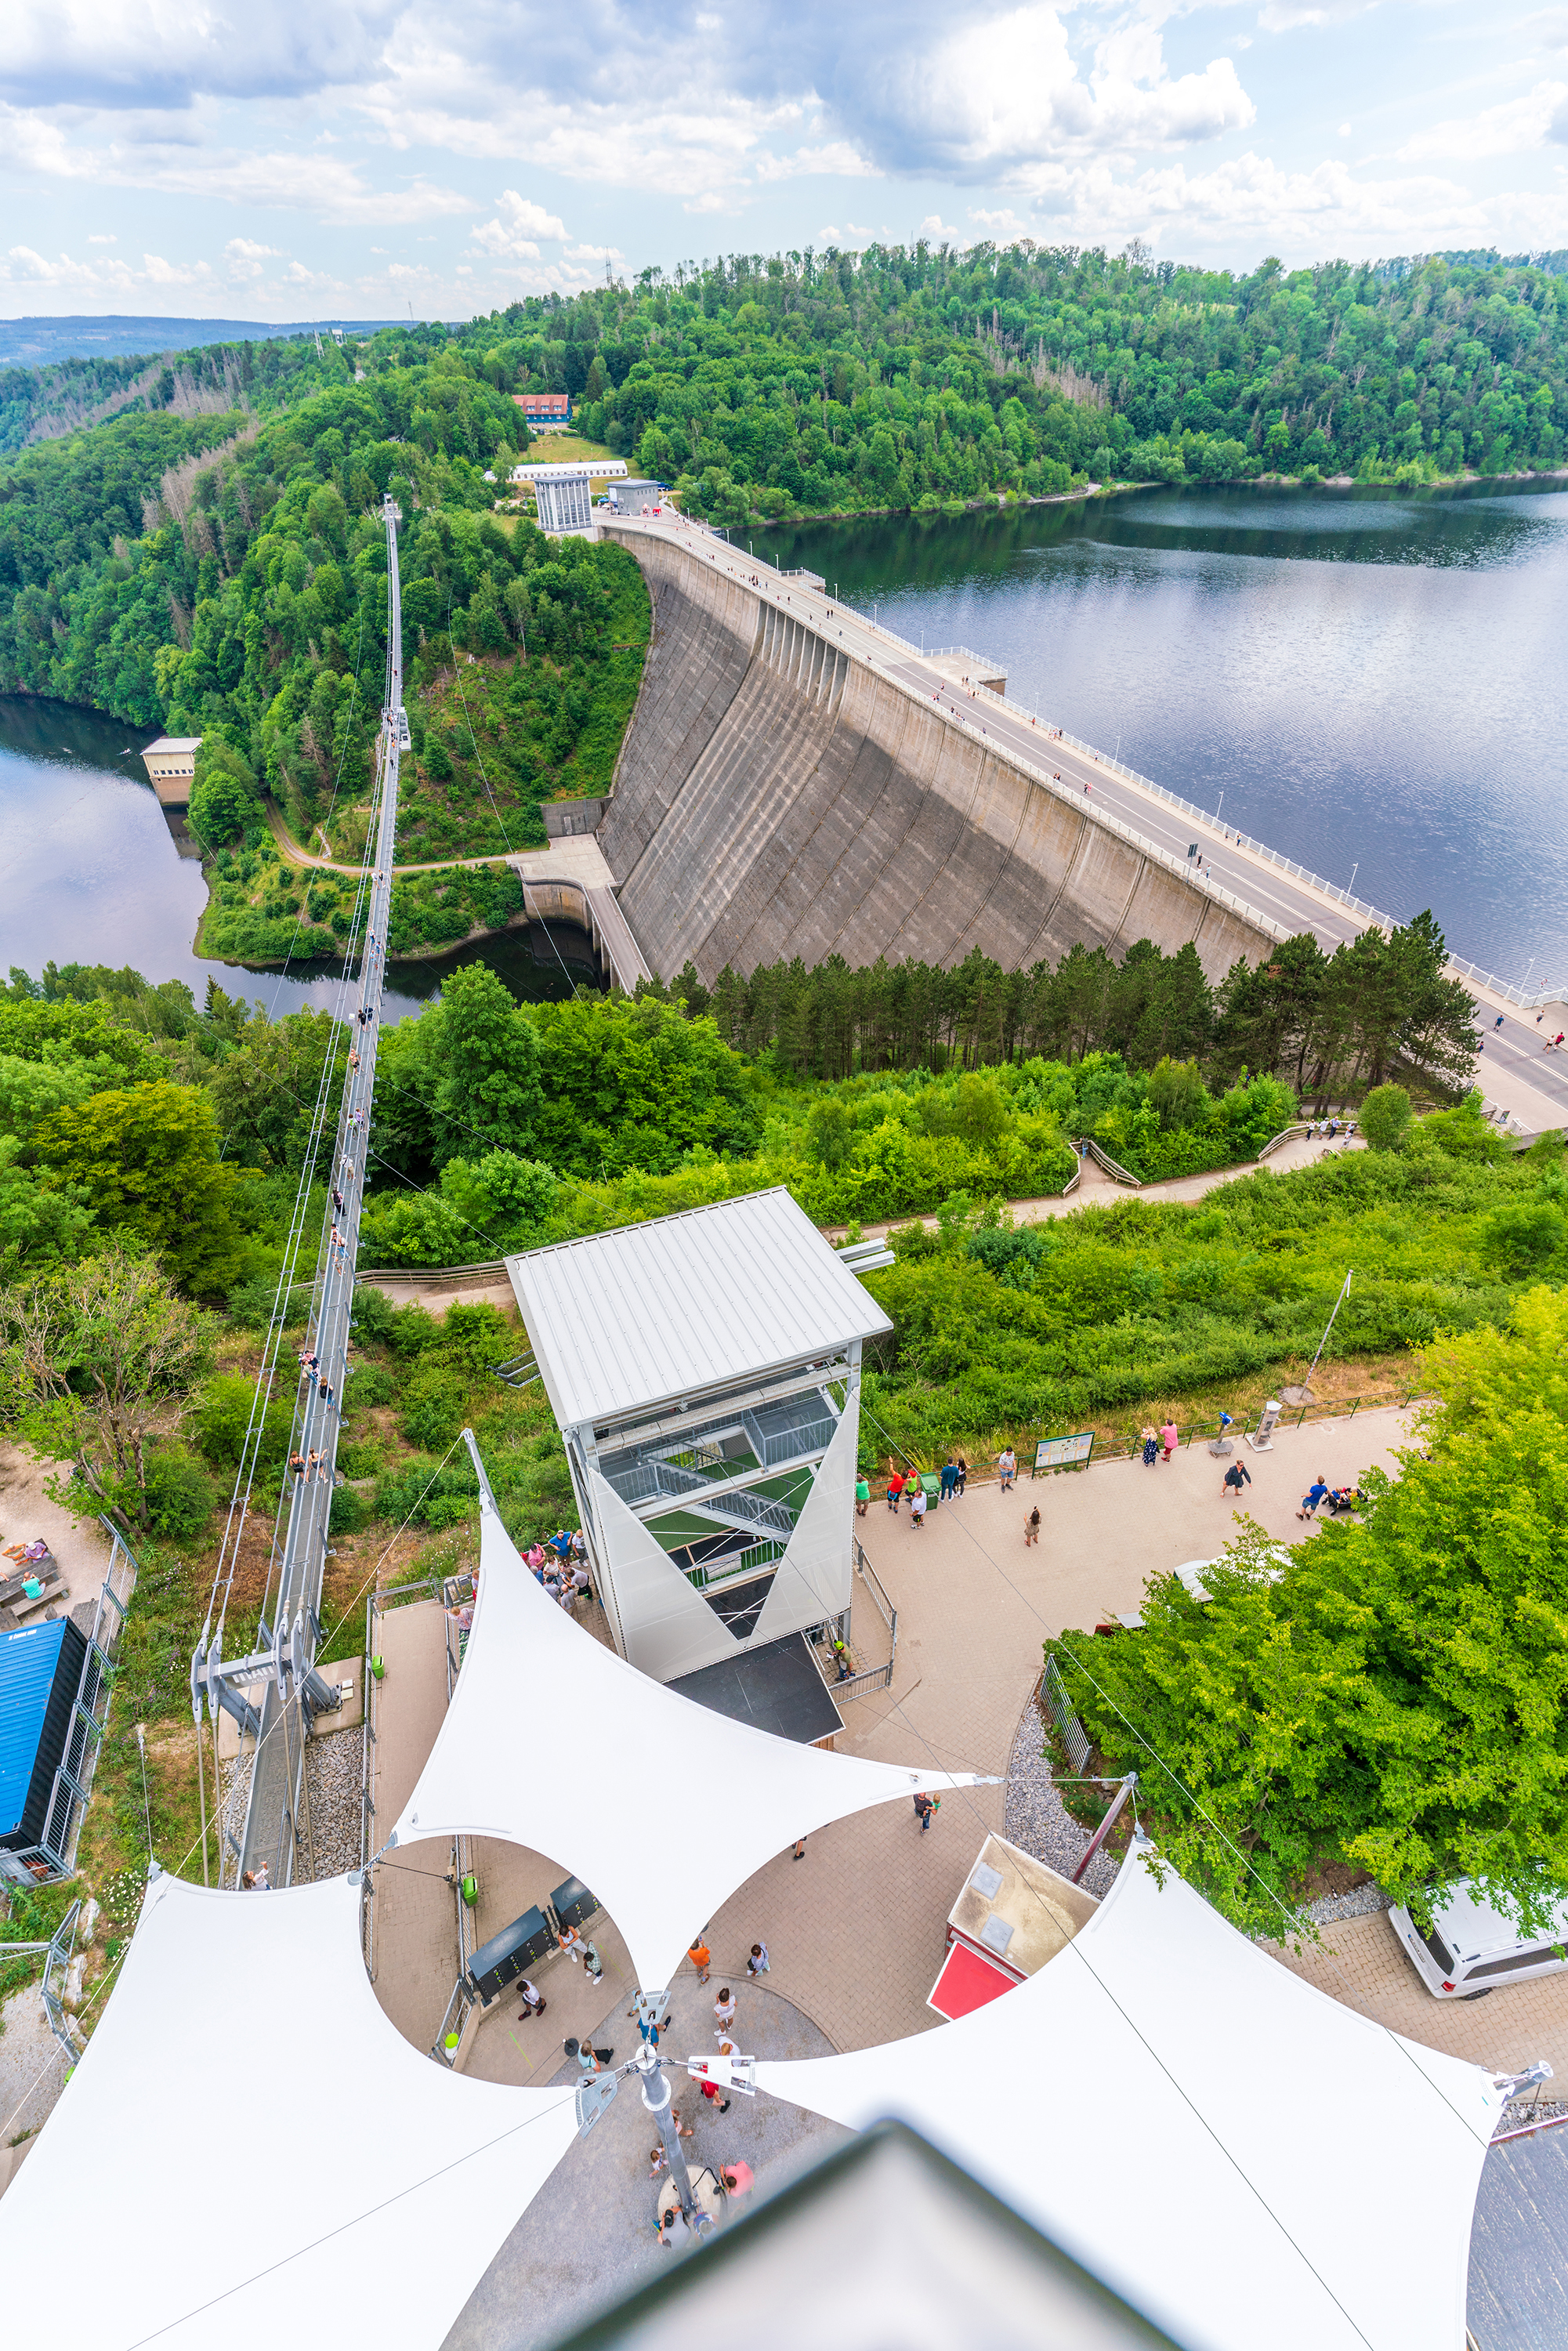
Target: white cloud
103, 240
1511, 129
516, 229
246, 259
935, 230
160, 272
594, 253
836, 156
713, 202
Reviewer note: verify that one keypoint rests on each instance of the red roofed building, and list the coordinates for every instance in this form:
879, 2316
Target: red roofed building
544, 407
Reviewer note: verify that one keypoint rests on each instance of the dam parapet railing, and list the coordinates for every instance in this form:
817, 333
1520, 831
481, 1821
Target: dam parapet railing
1368, 915
1372, 917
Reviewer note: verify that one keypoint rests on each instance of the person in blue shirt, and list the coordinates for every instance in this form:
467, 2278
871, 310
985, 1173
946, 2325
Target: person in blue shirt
1315, 1493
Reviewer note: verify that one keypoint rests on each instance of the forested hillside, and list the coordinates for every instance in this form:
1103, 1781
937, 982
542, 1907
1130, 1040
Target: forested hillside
908, 378
225, 576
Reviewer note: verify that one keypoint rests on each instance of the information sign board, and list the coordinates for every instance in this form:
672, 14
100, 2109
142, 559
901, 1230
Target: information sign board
1063, 1452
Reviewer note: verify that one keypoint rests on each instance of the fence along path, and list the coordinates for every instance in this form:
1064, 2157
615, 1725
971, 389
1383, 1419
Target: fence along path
277, 1834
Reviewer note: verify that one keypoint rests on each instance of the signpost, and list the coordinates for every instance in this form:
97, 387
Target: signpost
1063, 1452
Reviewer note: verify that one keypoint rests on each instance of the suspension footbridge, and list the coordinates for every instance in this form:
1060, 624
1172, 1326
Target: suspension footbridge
273, 1690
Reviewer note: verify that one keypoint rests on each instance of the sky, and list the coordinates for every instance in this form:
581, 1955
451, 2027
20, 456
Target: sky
367, 159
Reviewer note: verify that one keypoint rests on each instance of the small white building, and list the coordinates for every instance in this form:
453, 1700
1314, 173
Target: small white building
563, 494
704, 1371
171, 763
638, 497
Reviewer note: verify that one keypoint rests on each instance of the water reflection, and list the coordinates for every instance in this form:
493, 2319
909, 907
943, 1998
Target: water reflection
97, 871
1376, 682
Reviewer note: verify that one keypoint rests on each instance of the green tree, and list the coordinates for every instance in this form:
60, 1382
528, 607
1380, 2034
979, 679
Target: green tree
1396, 1699
264, 1095
145, 1159
1385, 1116
99, 1360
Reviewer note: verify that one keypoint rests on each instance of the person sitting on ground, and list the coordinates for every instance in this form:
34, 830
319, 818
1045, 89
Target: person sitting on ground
1317, 1492
1235, 1478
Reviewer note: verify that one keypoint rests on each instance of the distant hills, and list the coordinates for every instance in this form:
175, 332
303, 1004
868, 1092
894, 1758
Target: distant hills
37, 342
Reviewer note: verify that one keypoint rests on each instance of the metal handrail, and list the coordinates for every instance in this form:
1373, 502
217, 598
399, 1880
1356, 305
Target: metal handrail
747, 1563
1113, 1167
1052, 1694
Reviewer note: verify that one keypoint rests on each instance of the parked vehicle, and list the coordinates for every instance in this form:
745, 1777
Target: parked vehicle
1472, 1947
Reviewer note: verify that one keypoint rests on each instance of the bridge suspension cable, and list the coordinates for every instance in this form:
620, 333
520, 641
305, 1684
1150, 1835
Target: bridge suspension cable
273, 1692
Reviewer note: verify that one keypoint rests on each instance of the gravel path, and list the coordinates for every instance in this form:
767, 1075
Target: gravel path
1035, 1818
334, 1761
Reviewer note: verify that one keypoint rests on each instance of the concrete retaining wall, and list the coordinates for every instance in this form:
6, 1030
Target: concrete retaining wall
777, 798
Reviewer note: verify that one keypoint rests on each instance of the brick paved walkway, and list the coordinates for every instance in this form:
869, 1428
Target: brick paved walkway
1360, 1962
857, 1930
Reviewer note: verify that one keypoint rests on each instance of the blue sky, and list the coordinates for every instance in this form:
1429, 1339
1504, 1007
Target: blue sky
365, 158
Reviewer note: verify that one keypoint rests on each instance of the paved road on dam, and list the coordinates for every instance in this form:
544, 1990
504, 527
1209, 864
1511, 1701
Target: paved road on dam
1513, 1066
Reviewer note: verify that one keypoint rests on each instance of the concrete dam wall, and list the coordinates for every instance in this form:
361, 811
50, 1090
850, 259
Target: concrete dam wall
779, 796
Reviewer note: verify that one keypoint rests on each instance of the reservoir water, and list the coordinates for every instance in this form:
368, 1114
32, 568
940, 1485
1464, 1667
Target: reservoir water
94, 871
1377, 683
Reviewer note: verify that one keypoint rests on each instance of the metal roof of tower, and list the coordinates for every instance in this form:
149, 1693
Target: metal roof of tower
650, 1313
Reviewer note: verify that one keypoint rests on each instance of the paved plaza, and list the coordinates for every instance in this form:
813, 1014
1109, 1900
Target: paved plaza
855, 1929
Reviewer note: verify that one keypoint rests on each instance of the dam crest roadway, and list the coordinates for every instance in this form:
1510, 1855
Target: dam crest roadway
797, 780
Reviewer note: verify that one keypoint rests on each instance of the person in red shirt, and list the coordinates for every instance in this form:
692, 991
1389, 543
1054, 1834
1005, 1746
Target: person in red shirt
895, 1490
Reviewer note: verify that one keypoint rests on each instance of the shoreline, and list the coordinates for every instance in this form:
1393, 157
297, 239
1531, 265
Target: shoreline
1000, 501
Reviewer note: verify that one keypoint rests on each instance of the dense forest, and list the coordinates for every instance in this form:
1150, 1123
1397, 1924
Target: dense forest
226, 578
208, 560
901, 377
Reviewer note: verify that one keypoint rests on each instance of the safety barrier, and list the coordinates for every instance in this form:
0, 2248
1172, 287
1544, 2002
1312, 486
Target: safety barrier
1051, 1693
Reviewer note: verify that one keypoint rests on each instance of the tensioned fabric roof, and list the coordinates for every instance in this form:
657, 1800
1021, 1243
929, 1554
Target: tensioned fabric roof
659, 1805
652, 1312
1247, 2161
249, 2143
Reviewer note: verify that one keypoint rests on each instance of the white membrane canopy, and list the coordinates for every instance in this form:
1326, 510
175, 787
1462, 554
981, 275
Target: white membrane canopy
1244, 2159
249, 2148
554, 1743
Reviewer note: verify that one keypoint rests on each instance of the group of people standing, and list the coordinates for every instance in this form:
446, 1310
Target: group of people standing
561, 1564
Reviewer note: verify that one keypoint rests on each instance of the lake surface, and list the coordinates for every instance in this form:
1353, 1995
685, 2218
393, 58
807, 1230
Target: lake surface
94, 871
1378, 685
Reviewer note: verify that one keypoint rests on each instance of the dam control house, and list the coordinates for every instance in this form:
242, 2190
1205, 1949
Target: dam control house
704, 1372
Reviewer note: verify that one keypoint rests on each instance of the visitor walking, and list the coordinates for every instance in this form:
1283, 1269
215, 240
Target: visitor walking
917, 1506
1032, 1528
1006, 1467
590, 2061
724, 2007
863, 1496
533, 1999
1151, 1445
701, 1959
799, 1853
1170, 1438
1315, 1493
1235, 1478
925, 1806
738, 2180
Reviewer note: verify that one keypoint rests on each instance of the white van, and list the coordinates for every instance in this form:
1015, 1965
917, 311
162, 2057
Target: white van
1472, 1948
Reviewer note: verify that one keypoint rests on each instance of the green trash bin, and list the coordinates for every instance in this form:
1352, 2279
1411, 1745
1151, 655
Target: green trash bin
931, 1486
